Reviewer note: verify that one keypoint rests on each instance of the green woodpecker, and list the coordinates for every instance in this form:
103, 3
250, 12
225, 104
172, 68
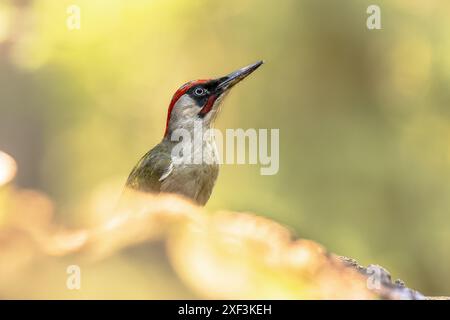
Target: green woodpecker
160, 169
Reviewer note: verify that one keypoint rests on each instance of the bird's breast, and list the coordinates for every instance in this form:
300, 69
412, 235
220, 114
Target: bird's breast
194, 179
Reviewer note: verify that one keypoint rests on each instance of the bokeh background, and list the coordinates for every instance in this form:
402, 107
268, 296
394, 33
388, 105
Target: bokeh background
363, 115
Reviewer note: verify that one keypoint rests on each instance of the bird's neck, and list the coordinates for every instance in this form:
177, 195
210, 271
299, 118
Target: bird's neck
199, 142
190, 130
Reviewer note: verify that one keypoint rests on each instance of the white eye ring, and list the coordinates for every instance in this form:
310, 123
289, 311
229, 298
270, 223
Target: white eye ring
199, 91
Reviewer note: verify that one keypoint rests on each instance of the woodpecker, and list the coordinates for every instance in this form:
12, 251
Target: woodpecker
195, 102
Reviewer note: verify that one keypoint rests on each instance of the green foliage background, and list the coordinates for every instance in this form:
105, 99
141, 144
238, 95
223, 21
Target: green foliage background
363, 115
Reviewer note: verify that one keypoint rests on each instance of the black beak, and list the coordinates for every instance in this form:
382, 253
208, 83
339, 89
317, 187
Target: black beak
227, 82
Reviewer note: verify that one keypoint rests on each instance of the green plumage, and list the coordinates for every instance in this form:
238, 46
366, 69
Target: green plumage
155, 173
146, 175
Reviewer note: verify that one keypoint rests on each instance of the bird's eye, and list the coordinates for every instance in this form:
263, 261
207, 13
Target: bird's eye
199, 91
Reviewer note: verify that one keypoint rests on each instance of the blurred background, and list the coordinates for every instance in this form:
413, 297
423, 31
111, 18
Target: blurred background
364, 115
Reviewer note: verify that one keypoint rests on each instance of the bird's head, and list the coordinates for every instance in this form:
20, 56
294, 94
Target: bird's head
200, 100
